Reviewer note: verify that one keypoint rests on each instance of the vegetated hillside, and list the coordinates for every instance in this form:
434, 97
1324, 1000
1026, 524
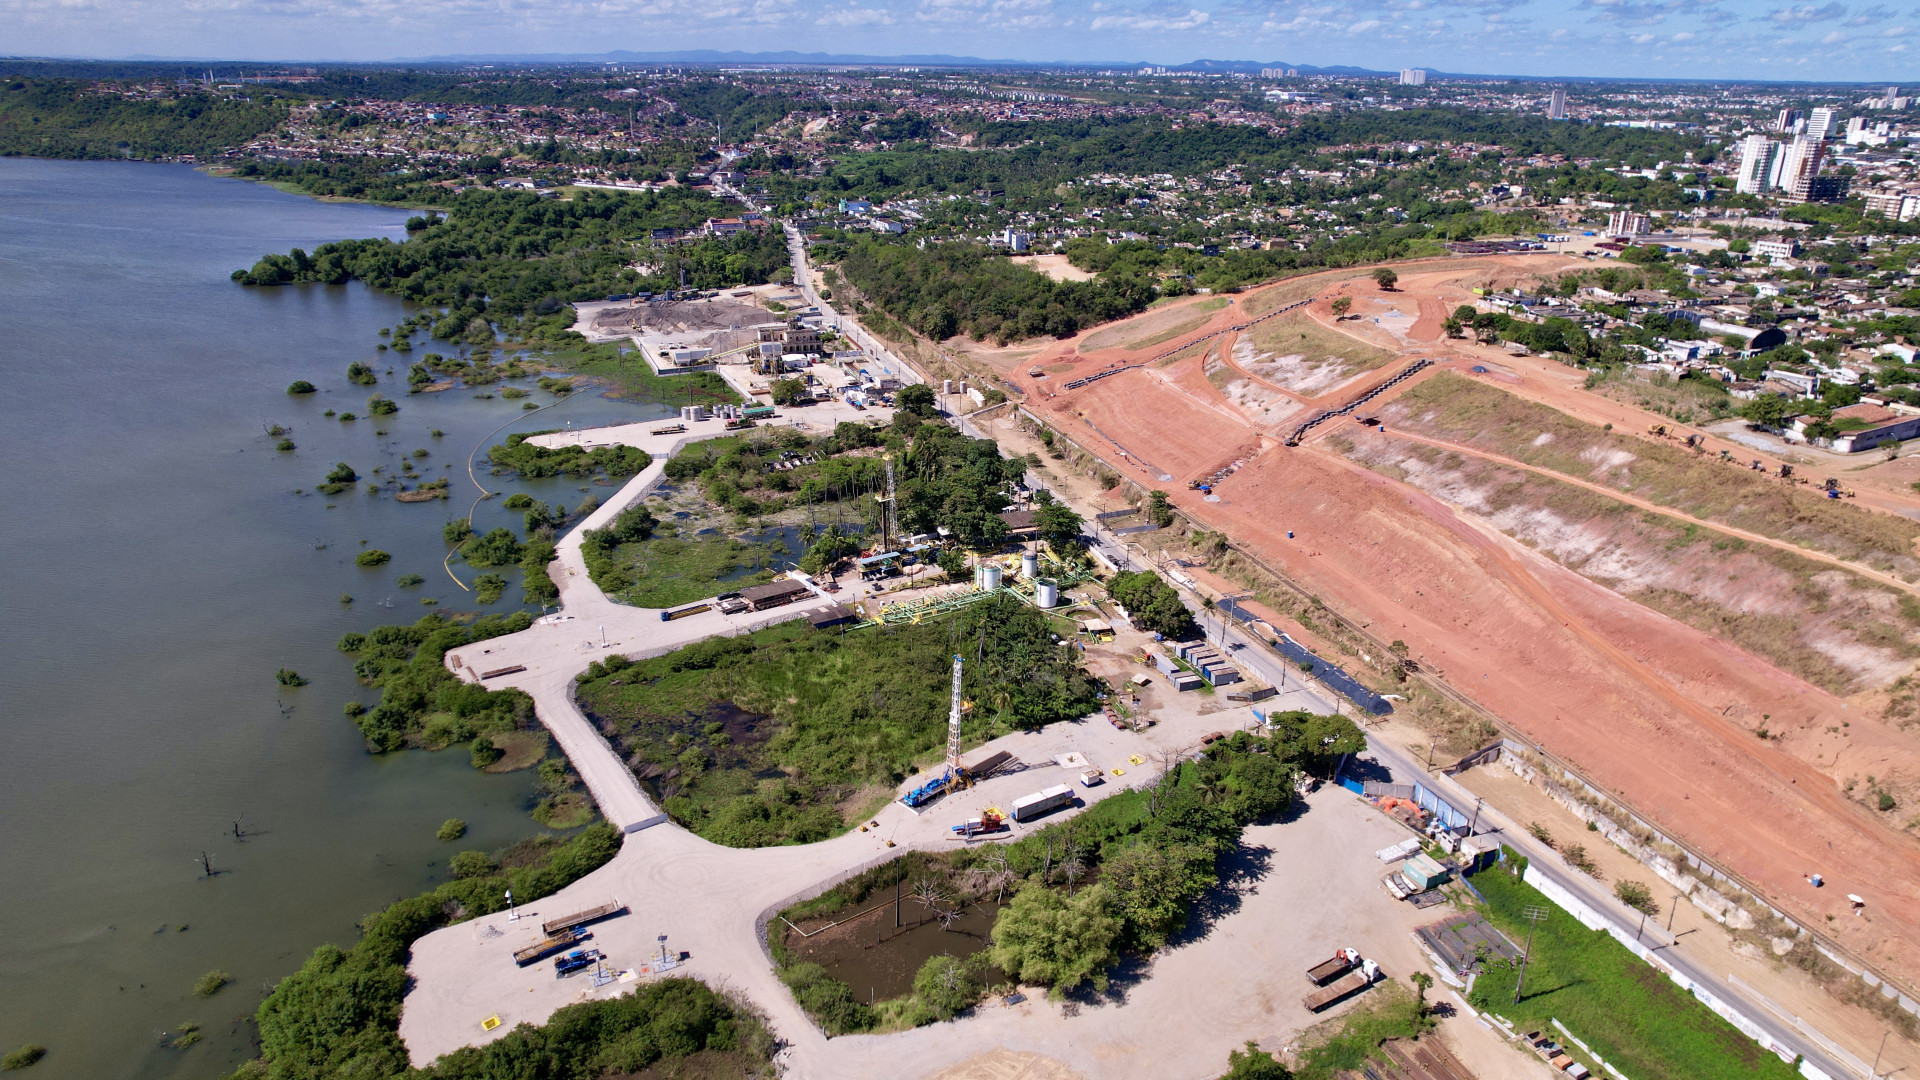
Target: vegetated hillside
1461, 410
778, 737
1833, 628
500, 256
69, 118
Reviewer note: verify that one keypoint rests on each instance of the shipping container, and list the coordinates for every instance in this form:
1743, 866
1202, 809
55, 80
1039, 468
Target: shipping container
1028, 807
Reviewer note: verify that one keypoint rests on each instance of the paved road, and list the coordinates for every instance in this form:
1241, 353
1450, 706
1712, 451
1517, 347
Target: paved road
803, 279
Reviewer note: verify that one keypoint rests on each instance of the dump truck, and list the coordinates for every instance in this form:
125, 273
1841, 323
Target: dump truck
681, 613
1352, 982
1326, 971
1028, 807
547, 946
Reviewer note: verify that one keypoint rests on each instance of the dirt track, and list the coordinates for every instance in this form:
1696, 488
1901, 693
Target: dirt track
1647, 706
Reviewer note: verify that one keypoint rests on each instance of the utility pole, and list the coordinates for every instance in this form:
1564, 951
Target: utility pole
1671, 910
1877, 1053
1475, 823
1533, 914
206, 864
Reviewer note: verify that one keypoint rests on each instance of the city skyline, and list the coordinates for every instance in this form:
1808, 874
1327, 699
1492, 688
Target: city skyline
1694, 39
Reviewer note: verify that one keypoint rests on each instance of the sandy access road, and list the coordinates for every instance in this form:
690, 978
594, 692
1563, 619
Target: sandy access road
1641, 703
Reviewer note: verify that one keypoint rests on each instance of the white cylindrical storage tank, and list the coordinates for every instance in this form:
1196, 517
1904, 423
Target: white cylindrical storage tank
990, 576
1046, 593
1029, 566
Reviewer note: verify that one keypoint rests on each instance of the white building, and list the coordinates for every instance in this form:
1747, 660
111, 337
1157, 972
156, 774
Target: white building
1557, 105
1628, 224
1779, 248
1894, 205
1413, 77
1802, 164
1822, 123
1759, 165
1788, 121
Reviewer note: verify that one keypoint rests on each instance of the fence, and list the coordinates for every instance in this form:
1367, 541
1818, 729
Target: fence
1322, 417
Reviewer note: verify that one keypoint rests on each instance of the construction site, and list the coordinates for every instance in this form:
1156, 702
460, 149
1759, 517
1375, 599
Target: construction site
1719, 644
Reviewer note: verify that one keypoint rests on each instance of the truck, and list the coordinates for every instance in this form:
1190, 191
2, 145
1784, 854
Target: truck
1327, 970
987, 822
681, 613
547, 946
1028, 807
1353, 981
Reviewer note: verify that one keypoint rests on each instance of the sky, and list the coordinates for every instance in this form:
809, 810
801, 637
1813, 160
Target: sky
1731, 39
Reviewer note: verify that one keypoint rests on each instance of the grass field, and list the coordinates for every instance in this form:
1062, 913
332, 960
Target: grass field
781, 736
1460, 410
1296, 352
1688, 401
669, 571
1635, 1017
634, 380
1153, 328
1282, 294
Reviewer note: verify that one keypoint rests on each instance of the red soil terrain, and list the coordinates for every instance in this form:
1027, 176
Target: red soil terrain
1659, 712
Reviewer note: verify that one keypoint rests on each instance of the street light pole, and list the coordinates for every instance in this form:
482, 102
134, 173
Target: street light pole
1533, 915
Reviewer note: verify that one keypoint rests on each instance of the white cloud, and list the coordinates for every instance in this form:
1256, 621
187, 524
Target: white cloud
1191, 19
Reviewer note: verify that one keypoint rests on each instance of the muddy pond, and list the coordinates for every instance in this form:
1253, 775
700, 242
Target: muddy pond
877, 945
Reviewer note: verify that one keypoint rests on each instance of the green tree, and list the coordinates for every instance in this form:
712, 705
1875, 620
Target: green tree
1254, 1064
300, 386
917, 399
360, 373
1342, 305
372, 557
484, 753
471, 864
787, 391
1385, 278
1159, 509
1155, 884
1052, 939
1768, 410
1151, 603
1058, 524
451, 829
946, 985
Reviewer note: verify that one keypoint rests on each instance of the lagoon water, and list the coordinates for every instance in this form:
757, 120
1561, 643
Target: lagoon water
156, 567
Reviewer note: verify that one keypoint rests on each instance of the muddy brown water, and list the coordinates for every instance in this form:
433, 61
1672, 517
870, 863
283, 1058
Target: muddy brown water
879, 960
